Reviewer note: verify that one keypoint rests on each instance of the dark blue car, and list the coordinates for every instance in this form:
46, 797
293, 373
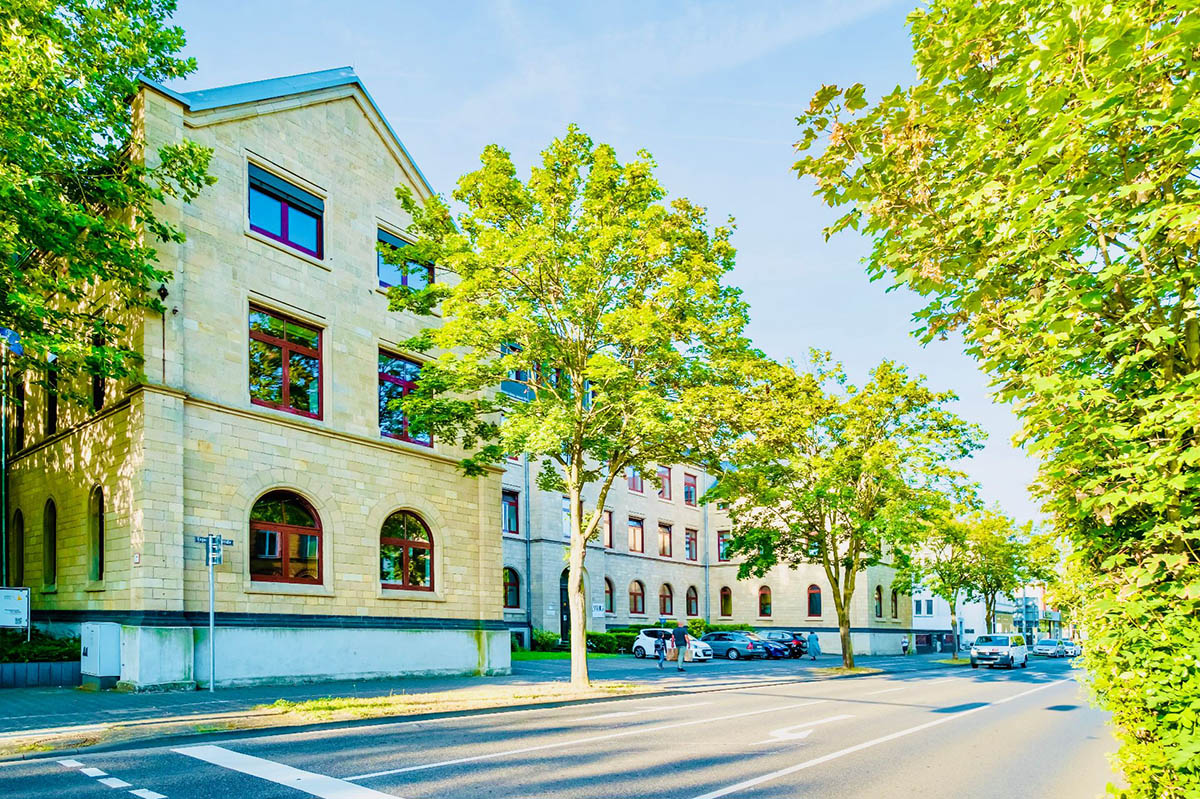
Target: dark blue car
773, 649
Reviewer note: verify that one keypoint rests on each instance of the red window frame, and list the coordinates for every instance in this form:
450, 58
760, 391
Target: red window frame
690, 495
692, 601
879, 601
814, 591
287, 347
285, 532
406, 388
665, 540
637, 598
640, 526
510, 506
726, 608
664, 477
607, 532
722, 543
764, 593
397, 243
407, 544
637, 483
666, 600
608, 596
691, 548
512, 581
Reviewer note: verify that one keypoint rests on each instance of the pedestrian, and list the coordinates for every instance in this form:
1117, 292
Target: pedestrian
814, 645
660, 649
904, 646
681, 638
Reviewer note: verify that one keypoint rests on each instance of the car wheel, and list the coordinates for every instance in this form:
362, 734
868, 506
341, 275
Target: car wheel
1025, 662
638, 652
733, 654
974, 665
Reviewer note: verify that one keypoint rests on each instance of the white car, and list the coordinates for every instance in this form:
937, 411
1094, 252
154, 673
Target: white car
1073, 649
1051, 648
643, 645
1001, 649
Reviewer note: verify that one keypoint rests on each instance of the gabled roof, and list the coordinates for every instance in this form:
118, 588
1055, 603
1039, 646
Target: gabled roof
273, 88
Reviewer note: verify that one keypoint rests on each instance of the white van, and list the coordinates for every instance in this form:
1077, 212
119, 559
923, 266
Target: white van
999, 649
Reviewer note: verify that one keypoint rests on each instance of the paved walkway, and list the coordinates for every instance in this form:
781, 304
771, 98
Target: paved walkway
24, 709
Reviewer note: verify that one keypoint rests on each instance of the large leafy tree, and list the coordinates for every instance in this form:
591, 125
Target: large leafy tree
1000, 559
600, 307
77, 190
838, 475
1038, 184
941, 561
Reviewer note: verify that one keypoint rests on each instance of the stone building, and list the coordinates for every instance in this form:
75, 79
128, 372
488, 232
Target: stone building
359, 550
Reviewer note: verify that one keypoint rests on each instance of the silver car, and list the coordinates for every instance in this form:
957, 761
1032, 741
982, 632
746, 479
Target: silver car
733, 645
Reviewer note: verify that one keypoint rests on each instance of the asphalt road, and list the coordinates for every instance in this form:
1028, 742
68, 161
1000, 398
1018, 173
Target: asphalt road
952, 733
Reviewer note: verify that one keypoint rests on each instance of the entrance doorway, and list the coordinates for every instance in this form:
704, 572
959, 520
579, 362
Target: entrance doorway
564, 605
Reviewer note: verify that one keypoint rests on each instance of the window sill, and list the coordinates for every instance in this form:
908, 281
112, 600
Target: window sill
49, 589
94, 586
279, 245
287, 589
411, 596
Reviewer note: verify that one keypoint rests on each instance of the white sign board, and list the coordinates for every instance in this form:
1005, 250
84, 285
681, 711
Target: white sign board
597, 610
14, 607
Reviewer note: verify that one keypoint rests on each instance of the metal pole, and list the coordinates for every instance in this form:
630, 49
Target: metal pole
4, 464
212, 621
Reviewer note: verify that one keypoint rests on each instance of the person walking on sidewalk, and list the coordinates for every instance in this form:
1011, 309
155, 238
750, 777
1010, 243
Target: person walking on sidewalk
814, 645
681, 638
660, 649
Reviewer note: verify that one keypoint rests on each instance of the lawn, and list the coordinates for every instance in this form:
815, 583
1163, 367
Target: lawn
954, 661
521, 654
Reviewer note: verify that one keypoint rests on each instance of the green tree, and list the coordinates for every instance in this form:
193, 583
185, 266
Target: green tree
838, 475
998, 557
941, 561
602, 307
1038, 184
77, 194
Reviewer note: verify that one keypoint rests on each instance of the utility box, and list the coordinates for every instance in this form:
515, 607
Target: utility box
100, 653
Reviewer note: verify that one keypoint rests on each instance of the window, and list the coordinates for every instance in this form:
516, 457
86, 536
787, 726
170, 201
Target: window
51, 398
895, 604
412, 274
635, 480
814, 600
637, 542
96, 535
285, 540
566, 518
18, 426
97, 377
764, 601
285, 364
397, 378
16, 550
689, 489
512, 588
50, 544
608, 596
664, 540
637, 598
664, 478
692, 601
607, 531
285, 213
691, 549
509, 516
726, 601
928, 607
879, 601
406, 553
666, 601
916, 607
723, 545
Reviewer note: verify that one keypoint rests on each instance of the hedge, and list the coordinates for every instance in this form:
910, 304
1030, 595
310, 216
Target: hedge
41, 648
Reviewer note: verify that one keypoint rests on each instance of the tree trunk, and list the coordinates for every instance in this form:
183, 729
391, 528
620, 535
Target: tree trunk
575, 597
989, 611
954, 626
847, 646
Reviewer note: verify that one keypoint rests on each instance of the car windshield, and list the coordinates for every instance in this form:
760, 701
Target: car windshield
1048, 642
754, 636
991, 640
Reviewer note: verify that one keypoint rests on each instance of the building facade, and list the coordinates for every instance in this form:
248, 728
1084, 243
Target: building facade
359, 550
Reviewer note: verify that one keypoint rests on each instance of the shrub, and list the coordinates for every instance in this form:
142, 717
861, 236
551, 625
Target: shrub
697, 627
42, 648
730, 628
624, 640
605, 643
544, 641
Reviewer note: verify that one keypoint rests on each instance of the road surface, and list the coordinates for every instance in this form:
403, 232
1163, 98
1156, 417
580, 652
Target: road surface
950, 733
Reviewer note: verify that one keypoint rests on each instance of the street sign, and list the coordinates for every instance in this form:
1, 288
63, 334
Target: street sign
213, 556
14, 608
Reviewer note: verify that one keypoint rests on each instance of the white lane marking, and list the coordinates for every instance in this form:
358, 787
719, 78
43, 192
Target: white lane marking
783, 772
655, 709
935, 682
884, 691
146, 793
805, 730
113, 782
93, 772
70, 763
589, 739
306, 781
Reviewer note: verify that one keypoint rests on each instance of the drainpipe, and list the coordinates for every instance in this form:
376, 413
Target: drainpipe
528, 552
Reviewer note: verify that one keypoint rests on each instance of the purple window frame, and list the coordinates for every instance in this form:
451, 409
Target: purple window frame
284, 206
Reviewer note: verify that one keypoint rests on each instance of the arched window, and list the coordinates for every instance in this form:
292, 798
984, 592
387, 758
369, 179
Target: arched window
666, 601
879, 601
608, 596
693, 601
96, 535
764, 601
512, 588
637, 598
50, 544
406, 553
814, 600
726, 601
895, 604
16, 550
285, 540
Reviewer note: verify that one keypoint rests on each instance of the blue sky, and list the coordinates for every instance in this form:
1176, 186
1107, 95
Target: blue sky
711, 89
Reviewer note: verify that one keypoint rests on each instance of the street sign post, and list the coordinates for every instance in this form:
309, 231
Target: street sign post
14, 609
213, 557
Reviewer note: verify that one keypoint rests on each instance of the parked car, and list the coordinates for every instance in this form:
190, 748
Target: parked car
643, 645
793, 641
1073, 649
776, 650
1005, 649
1051, 647
733, 645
